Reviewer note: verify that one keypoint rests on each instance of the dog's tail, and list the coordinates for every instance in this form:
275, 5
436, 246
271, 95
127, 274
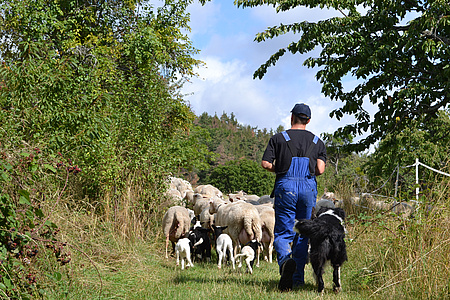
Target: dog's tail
310, 228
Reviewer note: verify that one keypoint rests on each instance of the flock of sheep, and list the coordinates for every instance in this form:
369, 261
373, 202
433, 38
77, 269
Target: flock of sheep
204, 216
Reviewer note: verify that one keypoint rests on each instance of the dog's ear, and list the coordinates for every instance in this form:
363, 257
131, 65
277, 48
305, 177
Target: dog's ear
313, 213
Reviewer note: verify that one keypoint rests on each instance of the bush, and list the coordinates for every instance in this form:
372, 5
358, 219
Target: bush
245, 175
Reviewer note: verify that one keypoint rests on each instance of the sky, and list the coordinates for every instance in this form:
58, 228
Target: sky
225, 34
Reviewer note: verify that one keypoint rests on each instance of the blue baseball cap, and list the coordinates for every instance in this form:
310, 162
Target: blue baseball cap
301, 110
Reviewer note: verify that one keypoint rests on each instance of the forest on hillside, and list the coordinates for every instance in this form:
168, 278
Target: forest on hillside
238, 149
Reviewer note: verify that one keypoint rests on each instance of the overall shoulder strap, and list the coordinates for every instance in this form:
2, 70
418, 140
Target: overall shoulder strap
311, 147
287, 138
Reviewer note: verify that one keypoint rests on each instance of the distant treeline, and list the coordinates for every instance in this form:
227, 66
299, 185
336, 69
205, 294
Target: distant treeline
238, 150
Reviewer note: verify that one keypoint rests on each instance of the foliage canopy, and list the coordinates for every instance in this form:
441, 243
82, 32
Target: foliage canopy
399, 51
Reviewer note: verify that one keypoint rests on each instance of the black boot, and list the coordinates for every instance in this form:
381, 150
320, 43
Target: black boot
287, 270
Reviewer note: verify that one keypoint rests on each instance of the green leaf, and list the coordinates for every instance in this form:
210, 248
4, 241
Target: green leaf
24, 197
50, 167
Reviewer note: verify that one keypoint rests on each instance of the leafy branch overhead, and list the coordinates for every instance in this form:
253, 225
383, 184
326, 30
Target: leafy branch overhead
398, 51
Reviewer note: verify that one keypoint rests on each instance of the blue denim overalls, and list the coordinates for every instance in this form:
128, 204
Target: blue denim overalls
295, 196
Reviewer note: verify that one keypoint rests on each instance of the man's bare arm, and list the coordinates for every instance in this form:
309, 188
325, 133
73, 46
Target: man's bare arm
320, 167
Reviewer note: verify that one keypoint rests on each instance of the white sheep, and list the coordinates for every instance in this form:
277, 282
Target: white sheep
200, 203
242, 219
267, 214
206, 219
208, 191
183, 250
241, 195
224, 244
266, 200
175, 223
175, 196
189, 198
181, 185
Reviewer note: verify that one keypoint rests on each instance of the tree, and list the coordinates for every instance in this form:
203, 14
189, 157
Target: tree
336, 149
402, 68
427, 142
100, 80
344, 168
243, 174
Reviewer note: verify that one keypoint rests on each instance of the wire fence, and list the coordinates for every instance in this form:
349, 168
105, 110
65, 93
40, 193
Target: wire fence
397, 170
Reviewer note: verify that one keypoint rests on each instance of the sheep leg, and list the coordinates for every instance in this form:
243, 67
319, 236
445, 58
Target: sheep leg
337, 279
232, 258
249, 265
258, 253
221, 257
173, 248
188, 258
270, 249
178, 257
167, 245
182, 263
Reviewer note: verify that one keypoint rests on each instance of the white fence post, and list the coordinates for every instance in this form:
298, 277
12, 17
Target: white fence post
417, 179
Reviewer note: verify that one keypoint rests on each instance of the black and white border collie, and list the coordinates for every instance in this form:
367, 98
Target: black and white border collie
326, 234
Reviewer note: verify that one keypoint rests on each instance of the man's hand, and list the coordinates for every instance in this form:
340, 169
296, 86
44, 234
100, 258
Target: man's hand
268, 166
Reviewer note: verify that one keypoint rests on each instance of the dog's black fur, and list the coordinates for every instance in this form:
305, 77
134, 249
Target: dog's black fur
326, 236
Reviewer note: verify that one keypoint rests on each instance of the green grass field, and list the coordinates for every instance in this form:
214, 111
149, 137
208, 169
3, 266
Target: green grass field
389, 257
142, 272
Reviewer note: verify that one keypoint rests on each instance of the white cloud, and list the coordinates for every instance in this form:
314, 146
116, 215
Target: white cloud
225, 36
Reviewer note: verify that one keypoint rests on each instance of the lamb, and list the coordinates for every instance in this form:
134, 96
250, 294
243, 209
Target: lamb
242, 219
248, 252
201, 242
176, 224
241, 195
224, 244
189, 198
183, 250
267, 214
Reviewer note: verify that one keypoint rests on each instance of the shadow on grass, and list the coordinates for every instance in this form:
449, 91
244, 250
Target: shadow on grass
227, 277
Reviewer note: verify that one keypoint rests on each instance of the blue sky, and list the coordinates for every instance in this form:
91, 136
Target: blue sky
225, 34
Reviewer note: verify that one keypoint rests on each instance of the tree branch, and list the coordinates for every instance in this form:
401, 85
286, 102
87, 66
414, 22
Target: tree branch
430, 35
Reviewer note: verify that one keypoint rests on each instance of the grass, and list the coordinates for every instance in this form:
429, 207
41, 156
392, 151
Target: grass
144, 273
389, 258
138, 270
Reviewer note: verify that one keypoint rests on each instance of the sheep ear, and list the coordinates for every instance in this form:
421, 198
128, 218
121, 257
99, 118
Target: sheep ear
199, 242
